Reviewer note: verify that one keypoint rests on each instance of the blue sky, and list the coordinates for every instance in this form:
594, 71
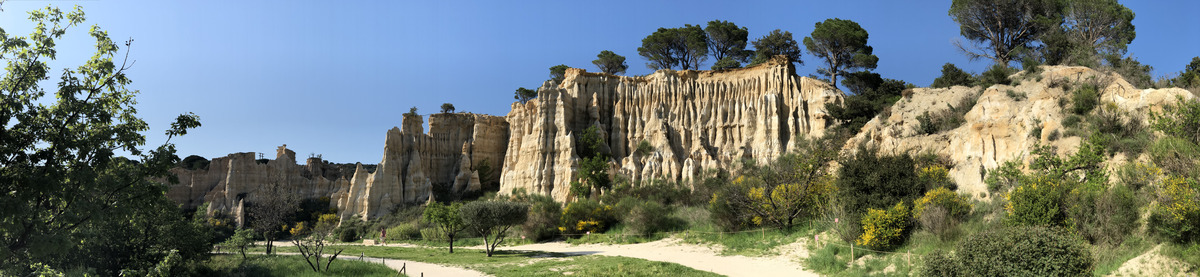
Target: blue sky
331, 77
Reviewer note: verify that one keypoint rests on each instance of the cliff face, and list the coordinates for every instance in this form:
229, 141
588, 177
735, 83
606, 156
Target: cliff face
237, 177
999, 128
694, 120
415, 164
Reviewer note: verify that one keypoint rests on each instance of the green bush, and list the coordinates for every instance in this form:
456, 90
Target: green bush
948, 119
586, 216
405, 231
1103, 217
1177, 215
1084, 99
952, 76
1040, 201
1015, 251
1176, 156
885, 229
645, 218
939, 263
866, 180
542, 223
348, 235
996, 75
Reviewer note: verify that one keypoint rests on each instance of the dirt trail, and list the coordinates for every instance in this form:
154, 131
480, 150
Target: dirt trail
689, 255
412, 268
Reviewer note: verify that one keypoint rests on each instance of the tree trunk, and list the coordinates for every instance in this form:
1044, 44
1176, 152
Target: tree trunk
451, 243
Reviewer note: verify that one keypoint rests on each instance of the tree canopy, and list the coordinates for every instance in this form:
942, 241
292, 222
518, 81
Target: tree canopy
492, 219
685, 47
952, 76
447, 108
524, 95
69, 200
843, 45
558, 72
610, 62
1000, 28
776, 43
727, 43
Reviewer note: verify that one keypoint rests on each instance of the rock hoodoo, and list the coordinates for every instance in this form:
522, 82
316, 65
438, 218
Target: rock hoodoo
237, 177
416, 164
695, 120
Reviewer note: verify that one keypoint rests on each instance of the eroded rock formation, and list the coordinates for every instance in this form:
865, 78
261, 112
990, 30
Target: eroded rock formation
694, 120
415, 164
237, 177
999, 128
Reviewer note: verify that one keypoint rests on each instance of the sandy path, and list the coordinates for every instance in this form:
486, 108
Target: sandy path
670, 250
412, 268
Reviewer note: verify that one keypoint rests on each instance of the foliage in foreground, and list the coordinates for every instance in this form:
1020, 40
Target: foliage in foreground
1016, 251
286, 265
69, 200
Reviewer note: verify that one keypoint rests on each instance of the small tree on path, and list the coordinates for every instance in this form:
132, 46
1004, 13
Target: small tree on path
492, 219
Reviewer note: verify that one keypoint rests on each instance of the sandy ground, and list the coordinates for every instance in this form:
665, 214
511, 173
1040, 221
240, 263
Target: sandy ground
412, 268
1152, 263
690, 255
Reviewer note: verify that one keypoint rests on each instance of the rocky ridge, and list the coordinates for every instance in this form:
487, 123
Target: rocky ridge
694, 120
999, 127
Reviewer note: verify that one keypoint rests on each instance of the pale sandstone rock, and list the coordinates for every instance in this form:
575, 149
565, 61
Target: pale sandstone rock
998, 128
415, 163
695, 120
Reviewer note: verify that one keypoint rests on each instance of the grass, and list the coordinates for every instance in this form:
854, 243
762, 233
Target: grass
524, 263
1110, 258
260, 265
1188, 253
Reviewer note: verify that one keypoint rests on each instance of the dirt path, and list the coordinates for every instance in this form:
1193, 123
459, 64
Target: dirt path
670, 250
412, 268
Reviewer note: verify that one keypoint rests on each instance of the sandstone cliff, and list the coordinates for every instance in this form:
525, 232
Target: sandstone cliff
999, 128
238, 177
695, 120
416, 164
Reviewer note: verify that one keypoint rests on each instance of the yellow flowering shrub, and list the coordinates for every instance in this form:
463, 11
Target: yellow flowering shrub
1178, 212
935, 176
586, 216
884, 229
956, 205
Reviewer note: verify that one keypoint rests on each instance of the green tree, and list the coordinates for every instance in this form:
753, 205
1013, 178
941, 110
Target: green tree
61, 177
685, 47
1000, 28
524, 95
952, 76
789, 188
593, 169
1100, 26
843, 45
447, 108
492, 219
311, 243
610, 62
1190, 78
727, 43
776, 43
271, 209
240, 240
558, 72
412, 111
447, 219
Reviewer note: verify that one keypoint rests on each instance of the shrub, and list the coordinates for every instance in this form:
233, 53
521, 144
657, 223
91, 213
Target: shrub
885, 229
948, 119
1084, 99
1006, 176
1019, 251
404, 231
1016, 96
869, 181
586, 216
1138, 175
1038, 202
647, 217
996, 75
1177, 215
935, 176
348, 235
543, 218
1181, 120
1176, 156
952, 76
1104, 217
956, 205
938, 263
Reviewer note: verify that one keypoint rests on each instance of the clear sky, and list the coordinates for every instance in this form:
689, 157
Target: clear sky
331, 77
